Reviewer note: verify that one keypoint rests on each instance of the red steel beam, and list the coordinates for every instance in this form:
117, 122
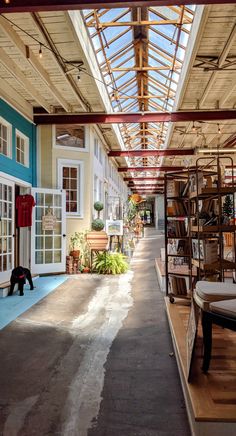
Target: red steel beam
161, 168
134, 179
152, 187
148, 192
150, 117
145, 153
60, 5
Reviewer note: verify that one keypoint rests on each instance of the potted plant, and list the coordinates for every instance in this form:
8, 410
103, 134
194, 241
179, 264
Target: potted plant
98, 224
97, 239
110, 263
74, 244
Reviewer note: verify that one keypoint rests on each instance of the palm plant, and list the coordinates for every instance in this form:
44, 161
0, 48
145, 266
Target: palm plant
110, 263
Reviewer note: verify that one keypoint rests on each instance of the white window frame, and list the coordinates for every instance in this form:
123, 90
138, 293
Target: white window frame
9, 138
96, 147
25, 138
75, 149
79, 164
95, 187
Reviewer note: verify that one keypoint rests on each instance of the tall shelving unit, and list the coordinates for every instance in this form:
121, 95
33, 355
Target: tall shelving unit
178, 266
207, 195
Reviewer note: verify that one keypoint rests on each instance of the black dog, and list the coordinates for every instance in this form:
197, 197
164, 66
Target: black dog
20, 275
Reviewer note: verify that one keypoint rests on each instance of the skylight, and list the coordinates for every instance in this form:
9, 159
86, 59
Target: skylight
141, 52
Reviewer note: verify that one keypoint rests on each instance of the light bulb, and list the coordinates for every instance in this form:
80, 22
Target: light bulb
40, 51
219, 129
194, 127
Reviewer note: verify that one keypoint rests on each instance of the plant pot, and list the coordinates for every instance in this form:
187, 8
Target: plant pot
86, 269
75, 254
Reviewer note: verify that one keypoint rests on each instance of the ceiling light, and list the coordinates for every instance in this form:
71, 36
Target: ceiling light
40, 51
219, 129
65, 135
193, 128
216, 150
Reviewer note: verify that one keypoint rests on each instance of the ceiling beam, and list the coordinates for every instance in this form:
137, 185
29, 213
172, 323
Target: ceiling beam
145, 68
15, 71
150, 192
157, 168
150, 117
145, 153
32, 59
220, 63
148, 186
136, 179
136, 23
59, 5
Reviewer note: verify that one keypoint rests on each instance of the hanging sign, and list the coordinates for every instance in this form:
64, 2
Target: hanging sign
49, 220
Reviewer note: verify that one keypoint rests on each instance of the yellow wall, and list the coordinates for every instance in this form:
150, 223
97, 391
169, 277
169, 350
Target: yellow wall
45, 157
49, 156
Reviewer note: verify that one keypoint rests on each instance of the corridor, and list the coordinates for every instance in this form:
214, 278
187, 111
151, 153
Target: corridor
94, 357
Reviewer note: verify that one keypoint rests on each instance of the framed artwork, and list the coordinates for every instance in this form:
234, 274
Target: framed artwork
114, 227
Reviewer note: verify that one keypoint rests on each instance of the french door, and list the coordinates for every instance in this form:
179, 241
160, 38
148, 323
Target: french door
48, 247
6, 229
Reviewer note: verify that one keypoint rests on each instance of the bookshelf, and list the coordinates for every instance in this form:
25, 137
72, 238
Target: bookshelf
177, 238
197, 227
211, 256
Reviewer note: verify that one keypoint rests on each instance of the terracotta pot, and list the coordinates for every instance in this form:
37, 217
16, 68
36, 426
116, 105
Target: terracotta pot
75, 254
86, 269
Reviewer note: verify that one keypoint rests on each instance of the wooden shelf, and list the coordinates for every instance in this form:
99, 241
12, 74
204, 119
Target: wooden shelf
213, 229
177, 237
207, 192
183, 217
215, 266
178, 255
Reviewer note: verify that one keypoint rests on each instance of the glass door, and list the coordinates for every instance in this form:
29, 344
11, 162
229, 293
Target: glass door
6, 229
48, 248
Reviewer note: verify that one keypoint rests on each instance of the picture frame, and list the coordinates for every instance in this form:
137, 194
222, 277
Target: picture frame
114, 227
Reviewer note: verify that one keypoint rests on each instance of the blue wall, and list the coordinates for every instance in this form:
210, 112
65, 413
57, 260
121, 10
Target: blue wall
9, 165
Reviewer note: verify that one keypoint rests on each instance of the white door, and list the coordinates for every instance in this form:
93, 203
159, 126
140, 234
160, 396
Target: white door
48, 247
7, 209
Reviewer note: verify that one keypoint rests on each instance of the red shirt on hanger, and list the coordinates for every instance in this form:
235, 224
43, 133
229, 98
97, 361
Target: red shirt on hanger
24, 206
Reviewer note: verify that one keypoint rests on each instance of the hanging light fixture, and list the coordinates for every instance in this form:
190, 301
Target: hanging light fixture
219, 129
40, 51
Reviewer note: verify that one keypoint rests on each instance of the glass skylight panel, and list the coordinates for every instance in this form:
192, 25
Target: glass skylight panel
159, 46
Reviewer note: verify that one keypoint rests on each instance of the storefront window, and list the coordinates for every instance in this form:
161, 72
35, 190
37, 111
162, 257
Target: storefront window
70, 136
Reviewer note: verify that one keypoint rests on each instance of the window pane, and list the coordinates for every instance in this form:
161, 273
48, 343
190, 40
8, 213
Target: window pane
39, 257
73, 173
48, 256
70, 183
57, 256
48, 242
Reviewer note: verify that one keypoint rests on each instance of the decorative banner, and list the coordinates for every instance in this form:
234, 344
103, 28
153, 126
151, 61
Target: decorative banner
114, 227
49, 220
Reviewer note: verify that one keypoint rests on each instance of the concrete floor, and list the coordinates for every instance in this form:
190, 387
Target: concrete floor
93, 359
